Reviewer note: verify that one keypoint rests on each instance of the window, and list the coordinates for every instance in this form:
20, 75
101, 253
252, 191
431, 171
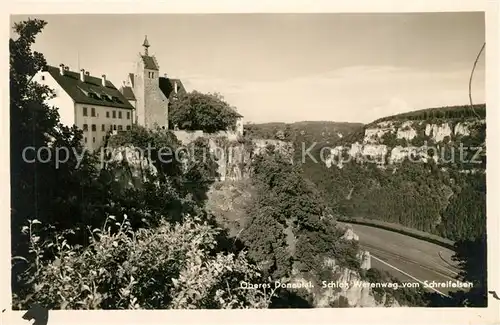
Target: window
111, 127
43, 77
85, 111
85, 127
93, 95
93, 139
120, 127
114, 114
94, 128
117, 100
114, 127
128, 127
107, 114
128, 115
85, 139
103, 127
119, 114
92, 111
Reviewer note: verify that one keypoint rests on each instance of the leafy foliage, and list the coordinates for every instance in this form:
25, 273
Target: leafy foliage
162, 268
207, 112
42, 187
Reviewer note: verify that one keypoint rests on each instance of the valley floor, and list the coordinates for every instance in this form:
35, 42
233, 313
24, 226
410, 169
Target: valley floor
407, 258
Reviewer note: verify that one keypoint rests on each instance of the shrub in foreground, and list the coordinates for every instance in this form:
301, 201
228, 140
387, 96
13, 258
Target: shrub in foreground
173, 266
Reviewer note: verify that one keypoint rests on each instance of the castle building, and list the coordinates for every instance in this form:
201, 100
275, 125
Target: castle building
98, 108
93, 104
150, 93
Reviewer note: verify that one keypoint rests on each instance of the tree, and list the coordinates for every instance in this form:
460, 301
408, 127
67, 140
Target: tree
207, 112
41, 186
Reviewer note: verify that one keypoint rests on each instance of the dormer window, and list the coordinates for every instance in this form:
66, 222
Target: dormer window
83, 91
117, 100
106, 97
94, 96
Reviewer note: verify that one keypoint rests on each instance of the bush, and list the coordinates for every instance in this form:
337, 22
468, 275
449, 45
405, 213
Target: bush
163, 268
206, 112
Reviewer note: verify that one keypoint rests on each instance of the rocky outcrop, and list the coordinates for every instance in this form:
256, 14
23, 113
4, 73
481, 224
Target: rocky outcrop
234, 156
438, 132
347, 284
130, 165
392, 142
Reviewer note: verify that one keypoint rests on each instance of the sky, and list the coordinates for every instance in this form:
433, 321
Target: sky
287, 67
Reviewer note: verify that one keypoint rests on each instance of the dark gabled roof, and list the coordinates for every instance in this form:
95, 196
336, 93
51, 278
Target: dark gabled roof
131, 77
127, 92
167, 86
81, 92
150, 62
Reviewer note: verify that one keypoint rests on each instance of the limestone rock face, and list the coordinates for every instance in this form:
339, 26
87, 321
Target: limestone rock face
392, 142
348, 284
233, 157
438, 132
131, 167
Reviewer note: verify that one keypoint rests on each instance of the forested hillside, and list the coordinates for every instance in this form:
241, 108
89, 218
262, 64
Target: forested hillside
424, 170
324, 132
442, 194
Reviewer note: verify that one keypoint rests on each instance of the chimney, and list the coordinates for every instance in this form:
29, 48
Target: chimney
82, 75
176, 88
104, 80
165, 75
61, 69
87, 73
66, 68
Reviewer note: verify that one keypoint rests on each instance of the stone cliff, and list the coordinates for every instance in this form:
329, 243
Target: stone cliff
234, 155
391, 142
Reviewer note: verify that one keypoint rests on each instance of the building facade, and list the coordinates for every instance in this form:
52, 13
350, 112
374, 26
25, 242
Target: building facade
93, 104
150, 93
98, 108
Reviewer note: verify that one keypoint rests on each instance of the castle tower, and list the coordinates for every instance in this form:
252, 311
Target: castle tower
152, 104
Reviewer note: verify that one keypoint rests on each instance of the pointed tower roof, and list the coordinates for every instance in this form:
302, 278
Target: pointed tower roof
146, 45
149, 61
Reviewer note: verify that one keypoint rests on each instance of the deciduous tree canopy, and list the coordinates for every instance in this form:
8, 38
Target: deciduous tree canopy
207, 112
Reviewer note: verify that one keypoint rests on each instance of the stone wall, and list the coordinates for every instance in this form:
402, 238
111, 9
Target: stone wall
186, 137
156, 102
152, 104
